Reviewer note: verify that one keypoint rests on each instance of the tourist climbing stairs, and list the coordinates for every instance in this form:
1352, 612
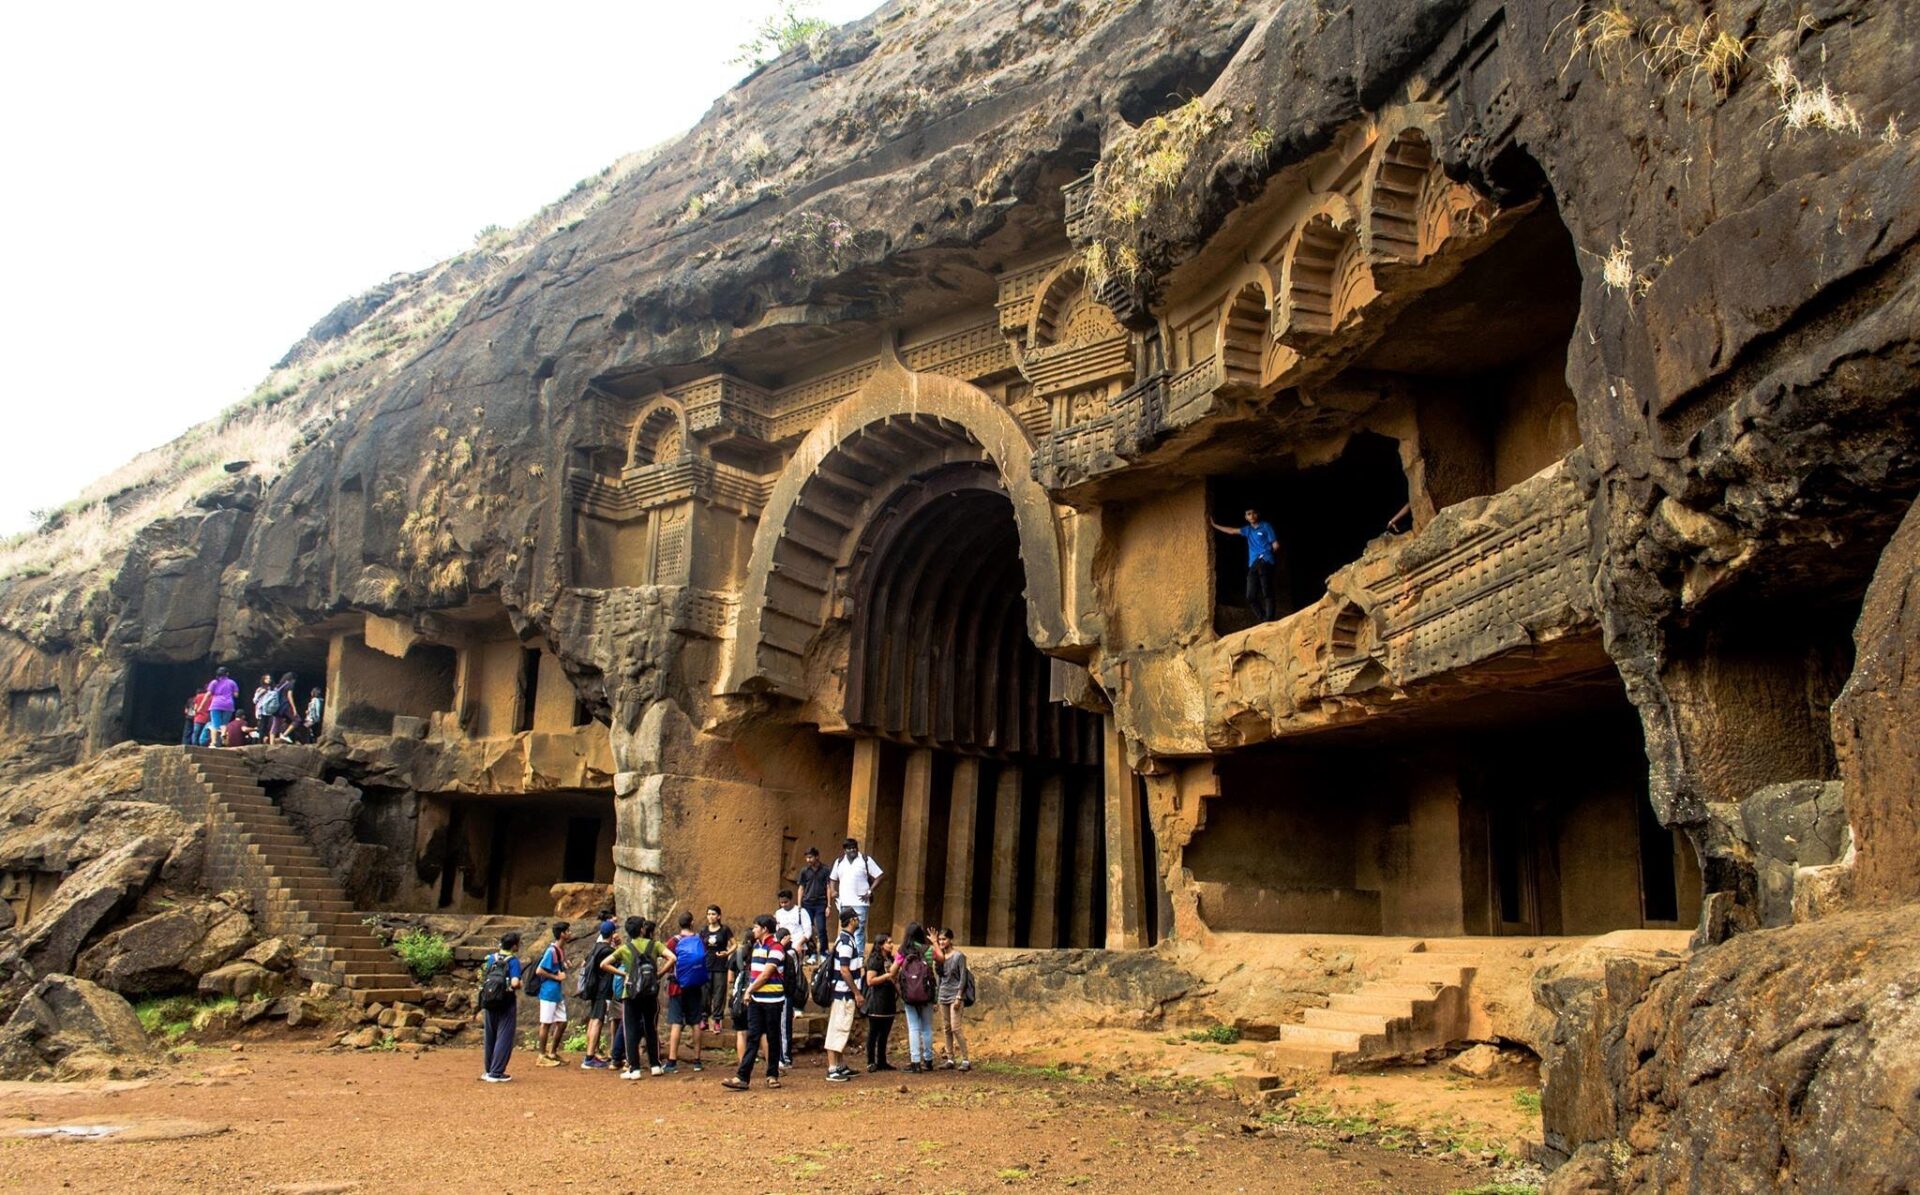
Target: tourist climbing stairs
1417, 1007
250, 840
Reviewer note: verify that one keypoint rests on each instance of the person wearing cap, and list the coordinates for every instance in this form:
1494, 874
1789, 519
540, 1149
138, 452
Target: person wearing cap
850, 886
596, 987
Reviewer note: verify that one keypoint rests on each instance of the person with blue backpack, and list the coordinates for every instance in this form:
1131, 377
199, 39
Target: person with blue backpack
686, 992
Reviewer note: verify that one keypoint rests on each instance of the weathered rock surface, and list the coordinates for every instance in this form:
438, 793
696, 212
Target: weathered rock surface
1876, 726
243, 980
1785, 1059
170, 950
67, 1027
88, 901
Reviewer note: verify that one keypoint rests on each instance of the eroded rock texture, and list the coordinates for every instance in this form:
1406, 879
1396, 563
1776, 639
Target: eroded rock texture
858, 466
1784, 1060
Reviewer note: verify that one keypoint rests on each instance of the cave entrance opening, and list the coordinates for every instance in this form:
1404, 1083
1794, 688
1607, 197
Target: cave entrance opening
454, 853
1522, 813
979, 794
1323, 517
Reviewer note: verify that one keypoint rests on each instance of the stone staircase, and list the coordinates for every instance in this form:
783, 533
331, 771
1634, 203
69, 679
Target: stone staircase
1418, 1006
251, 843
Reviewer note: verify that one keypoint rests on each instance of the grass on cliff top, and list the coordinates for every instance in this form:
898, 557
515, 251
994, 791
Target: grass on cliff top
269, 426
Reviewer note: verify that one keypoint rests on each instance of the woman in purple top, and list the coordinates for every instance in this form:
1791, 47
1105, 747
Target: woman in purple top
221, 692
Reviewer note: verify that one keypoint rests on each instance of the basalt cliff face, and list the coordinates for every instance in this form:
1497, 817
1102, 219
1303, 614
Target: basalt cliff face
1132, 266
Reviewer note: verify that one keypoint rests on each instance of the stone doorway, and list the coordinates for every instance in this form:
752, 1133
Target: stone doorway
980, 795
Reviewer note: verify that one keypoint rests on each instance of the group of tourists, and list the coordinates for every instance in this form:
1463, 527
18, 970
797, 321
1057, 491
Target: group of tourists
218, 717
711, 983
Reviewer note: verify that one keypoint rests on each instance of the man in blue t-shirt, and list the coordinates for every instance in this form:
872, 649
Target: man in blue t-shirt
550, 976
1263, 550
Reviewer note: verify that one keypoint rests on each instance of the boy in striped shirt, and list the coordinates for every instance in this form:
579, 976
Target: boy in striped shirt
766, 1006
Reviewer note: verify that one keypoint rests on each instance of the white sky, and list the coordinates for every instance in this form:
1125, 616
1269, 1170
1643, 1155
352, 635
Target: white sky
190, 186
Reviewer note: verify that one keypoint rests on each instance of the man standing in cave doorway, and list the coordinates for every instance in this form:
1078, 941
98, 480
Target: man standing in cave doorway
1263, 551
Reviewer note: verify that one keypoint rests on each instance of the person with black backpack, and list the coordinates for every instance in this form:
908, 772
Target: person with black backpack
883, 1000
919, 988
765, 1000
633, 971
795, 982
844, 993
687, 993
595, 986
498, 997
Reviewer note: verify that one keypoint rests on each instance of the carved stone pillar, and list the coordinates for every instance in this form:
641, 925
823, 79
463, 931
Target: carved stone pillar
1044, 926
1125, 926
956, 909
863, 797
916, 815
1003, 891
1085, 854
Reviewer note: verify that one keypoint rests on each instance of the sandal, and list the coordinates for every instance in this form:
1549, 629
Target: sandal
732, 1084
773, 1083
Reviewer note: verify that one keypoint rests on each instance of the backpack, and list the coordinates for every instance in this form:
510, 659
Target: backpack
588, 983
532, 976
640, 978
496, 984
793, 980
968, 993
824, 976
689, 960
270, 705
916, 979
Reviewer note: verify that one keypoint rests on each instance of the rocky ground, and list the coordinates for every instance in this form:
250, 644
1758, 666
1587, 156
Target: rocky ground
275, 1115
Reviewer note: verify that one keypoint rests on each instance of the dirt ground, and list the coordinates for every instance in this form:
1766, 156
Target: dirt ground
296, 1117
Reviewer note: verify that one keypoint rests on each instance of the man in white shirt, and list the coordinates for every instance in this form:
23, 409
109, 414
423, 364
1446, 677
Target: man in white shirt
851, 884
792, 918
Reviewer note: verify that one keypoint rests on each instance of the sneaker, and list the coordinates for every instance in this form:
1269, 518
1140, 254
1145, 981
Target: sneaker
550, 1060
671, 1068
839, 1075
592, 1064
699, 1066
913, 1068
786, 1064
946, 1065
873, 1068
498, 1078
965, 1065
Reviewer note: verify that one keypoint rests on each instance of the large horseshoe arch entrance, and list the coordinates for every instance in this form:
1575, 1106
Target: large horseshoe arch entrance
983, 795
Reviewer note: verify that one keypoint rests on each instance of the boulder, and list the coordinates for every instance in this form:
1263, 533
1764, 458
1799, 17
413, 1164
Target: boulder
303, 1011
361, 1039
242, 980
168, 951
574, 902
275, 954
1785, 1059
87, 901
1489, 1063
67, 1026
1790, 826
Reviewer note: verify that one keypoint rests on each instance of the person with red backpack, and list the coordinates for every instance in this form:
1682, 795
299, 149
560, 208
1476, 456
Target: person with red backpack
919, 988
687, 992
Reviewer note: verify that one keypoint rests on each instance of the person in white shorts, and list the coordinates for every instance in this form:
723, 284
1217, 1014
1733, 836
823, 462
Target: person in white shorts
550, 973
847, 997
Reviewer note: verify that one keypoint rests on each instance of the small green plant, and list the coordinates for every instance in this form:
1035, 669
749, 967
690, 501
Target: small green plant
173, 1017
1527, 1101
387, 1044
576, 1041
424, 952
1224, 1035
1015, 1174
784, 30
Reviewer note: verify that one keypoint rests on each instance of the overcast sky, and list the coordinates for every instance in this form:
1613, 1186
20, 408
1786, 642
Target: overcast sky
187, 187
